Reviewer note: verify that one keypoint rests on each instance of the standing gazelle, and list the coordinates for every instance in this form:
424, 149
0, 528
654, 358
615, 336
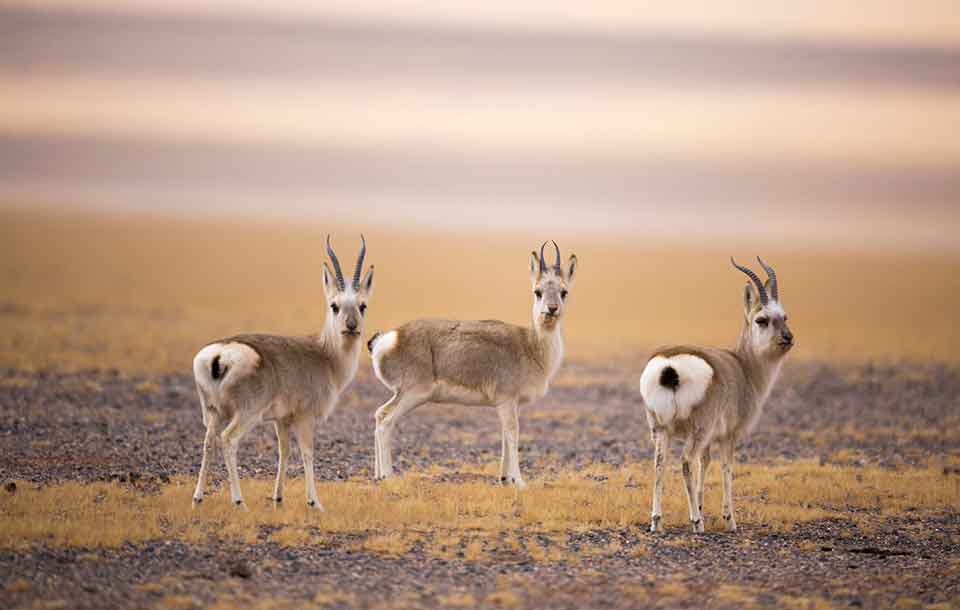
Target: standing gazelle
290, 381
484, 363
707, 395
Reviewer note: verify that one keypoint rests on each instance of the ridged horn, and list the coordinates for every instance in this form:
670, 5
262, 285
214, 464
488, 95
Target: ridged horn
543, 263
556, 265
764, 299
336, 265
774, 286
356, 272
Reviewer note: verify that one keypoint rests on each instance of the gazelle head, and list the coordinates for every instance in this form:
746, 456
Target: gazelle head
551, 285
765, 321
347, 303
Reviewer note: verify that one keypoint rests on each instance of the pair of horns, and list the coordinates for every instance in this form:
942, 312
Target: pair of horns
543, 263
356, 272
774, 287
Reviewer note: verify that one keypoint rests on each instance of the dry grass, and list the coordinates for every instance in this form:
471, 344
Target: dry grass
143, 294
463, 518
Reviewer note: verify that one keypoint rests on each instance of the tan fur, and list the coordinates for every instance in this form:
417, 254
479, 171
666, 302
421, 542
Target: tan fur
734, 399
477, 363
289, 381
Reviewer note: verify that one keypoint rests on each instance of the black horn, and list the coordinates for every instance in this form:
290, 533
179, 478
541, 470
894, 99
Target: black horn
774, 286
556, 265
543, 263
336, 265
764, 299
356, 272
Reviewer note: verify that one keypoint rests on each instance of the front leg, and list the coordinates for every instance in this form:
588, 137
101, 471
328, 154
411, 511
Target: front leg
661, 444
510, 426
726, 455
283, 450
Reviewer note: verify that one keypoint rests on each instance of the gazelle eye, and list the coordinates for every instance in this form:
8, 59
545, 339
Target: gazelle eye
363, 308
539, 293
563, 294
762, 322
335, 307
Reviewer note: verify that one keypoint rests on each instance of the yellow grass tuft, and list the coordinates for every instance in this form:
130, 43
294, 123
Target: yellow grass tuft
477, 518
458, 600
504, 599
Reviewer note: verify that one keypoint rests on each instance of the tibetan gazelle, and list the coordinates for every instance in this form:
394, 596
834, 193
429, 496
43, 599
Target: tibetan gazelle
290, 381
479, 363
707, 396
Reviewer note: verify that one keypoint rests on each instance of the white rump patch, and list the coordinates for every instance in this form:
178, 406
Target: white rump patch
238, 359
695, 377
383, 345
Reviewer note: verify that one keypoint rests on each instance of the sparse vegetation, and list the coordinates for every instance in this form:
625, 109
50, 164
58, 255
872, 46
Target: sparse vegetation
462, 516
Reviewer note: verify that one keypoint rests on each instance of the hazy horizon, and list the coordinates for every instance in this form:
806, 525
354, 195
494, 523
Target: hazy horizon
812, 128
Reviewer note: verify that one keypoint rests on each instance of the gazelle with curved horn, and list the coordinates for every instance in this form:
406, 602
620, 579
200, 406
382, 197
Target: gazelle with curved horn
290, 381
709, 396
478, 363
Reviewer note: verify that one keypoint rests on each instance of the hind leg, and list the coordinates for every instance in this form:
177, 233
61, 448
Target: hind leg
238, 427
377, 432
212, 421
661, 444
387, 418
692, 452
726, 459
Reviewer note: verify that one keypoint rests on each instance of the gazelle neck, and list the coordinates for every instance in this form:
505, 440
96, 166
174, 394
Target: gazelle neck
760, 370
342, 352
549, 345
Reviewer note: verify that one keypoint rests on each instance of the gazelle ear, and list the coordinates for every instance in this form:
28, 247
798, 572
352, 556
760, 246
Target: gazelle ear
750, 298
366, 284
329, 284
534, 266
571, 269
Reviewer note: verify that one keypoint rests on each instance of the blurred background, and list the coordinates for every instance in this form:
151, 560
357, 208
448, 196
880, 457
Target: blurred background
153, 153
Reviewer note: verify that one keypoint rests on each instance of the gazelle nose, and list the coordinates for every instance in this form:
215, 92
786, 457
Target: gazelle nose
788, 336
351, 325
553, 309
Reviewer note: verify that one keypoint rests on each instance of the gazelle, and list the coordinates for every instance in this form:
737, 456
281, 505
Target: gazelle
290, 381
478, 363
707, 396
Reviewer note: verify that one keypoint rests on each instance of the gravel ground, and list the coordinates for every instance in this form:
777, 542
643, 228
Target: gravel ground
104, 425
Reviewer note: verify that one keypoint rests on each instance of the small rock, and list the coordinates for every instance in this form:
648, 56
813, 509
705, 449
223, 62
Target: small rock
239, 569
11, 487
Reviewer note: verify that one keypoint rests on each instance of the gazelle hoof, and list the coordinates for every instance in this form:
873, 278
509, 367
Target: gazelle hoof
731, 523
655, 524
697, 526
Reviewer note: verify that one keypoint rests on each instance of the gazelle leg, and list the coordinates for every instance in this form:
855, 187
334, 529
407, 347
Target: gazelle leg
387, 417
704, 465
691, 454
510, 424
304, 428
283, 450
212, 421
504, 456
661, 444
726, 459
381, 413
230, 437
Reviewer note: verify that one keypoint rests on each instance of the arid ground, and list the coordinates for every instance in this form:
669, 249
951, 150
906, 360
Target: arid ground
847, 494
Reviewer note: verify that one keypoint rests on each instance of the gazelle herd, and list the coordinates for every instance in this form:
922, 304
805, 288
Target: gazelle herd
708, 397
